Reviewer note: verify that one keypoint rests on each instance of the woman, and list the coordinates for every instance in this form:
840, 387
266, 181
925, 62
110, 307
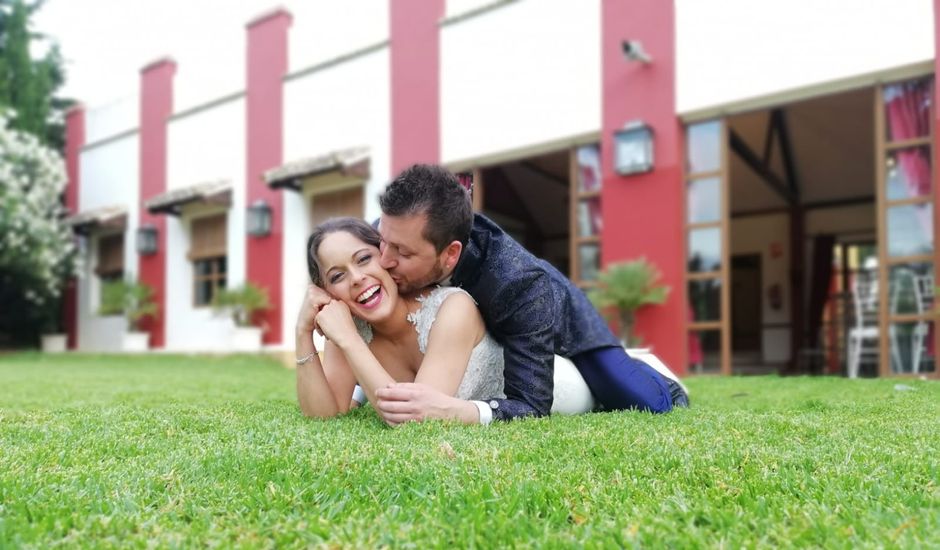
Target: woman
437, 338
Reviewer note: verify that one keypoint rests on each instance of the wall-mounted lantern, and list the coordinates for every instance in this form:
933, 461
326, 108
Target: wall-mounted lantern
633, 148
146, 240
259, 219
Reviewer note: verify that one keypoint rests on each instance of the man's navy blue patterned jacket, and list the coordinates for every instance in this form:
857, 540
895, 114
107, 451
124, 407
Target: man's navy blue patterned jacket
532, 310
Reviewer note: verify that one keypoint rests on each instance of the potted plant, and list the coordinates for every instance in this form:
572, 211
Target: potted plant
623, 289
52, 338
134, 300
242, 304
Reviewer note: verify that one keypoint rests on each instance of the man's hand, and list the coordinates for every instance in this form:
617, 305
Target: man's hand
414, 402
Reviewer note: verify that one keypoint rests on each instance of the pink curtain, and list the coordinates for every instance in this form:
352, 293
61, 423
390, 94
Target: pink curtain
907, 110
907, 113
589, 176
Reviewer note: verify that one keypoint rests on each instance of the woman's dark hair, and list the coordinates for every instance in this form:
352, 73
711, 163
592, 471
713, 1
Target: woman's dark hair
354, 226
431, 190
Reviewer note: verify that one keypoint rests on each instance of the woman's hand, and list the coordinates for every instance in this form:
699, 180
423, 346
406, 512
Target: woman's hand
336, 323
314, 300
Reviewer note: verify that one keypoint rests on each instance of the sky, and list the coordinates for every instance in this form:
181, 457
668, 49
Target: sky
106, 42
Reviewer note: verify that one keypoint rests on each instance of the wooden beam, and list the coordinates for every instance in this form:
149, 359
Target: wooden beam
786, 148
740, 147
769, 138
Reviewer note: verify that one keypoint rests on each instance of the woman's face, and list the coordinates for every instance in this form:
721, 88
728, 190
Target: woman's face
351, 273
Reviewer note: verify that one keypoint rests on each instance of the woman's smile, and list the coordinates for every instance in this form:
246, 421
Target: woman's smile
371, 297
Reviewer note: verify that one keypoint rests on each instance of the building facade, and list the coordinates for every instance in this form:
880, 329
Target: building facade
791, 187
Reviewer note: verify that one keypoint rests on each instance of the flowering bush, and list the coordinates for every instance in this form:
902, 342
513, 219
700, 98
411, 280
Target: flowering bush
37, 250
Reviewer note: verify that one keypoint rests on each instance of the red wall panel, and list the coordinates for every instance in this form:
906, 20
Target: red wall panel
643, 213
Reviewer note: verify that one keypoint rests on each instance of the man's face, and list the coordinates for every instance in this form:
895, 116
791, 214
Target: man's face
411, 260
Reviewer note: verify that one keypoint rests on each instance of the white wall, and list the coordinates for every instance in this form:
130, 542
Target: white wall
731, 50
459, 7
205, 146
524, 74
754, 235
110, 119
325, 30
343, 106
190, 328
109, 177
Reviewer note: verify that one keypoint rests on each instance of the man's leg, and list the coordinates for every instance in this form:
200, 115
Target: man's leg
620, 382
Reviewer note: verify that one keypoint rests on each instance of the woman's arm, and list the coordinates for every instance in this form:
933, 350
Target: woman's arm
457, 329
322, 390
335, 320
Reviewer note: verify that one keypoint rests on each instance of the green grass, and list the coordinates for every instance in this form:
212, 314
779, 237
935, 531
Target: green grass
176, 451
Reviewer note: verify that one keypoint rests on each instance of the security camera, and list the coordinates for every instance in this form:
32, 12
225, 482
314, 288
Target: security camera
633, 51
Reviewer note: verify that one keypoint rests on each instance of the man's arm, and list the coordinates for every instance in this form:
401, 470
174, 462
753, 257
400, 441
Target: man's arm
523, 322
524, 325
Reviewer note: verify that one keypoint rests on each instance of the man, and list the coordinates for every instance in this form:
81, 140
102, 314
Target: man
431, 236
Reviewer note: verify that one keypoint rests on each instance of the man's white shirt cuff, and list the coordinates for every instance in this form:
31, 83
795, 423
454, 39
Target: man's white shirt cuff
486, 413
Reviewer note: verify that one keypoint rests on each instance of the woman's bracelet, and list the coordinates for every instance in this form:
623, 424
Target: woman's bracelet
306, 358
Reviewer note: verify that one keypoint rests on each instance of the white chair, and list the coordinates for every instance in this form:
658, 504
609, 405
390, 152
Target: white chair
863, 334
924, 298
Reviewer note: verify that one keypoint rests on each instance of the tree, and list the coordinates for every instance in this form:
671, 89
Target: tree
27, 85
37, 252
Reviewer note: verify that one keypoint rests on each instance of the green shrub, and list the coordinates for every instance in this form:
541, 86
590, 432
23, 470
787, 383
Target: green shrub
132, 299
242, 303
623, 288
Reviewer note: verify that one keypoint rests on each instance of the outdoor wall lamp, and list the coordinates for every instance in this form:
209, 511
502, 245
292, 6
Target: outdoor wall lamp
146, 240
259, 219
633, 148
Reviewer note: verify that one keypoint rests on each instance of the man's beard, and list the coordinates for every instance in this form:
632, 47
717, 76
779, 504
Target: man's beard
435, 276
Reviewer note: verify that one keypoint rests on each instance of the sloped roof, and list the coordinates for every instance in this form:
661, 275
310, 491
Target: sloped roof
209, 192
353, 161
114, 216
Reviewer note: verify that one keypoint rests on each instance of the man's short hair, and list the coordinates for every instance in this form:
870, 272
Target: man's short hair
431, 190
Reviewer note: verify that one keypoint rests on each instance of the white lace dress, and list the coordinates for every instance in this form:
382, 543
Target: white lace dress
484, 379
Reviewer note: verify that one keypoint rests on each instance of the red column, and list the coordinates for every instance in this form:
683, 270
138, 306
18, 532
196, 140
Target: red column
74, 141
415, 81
643, 214
267, 65
156, 106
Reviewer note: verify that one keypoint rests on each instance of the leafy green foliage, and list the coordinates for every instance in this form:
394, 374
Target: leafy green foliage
130, 298
241, 303
27, 85
37, 252
187, 451
624, 288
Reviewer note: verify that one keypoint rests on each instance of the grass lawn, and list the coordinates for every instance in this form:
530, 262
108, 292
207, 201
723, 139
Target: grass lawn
177, 451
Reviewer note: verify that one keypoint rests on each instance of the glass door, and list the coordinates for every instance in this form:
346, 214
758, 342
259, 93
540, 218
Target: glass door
707, 247
907, 252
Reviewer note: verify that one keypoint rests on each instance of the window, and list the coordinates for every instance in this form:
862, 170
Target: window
586, 215
347, 202
208, 256
110, 265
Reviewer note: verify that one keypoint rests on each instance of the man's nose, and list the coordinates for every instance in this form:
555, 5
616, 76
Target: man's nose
386, 260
